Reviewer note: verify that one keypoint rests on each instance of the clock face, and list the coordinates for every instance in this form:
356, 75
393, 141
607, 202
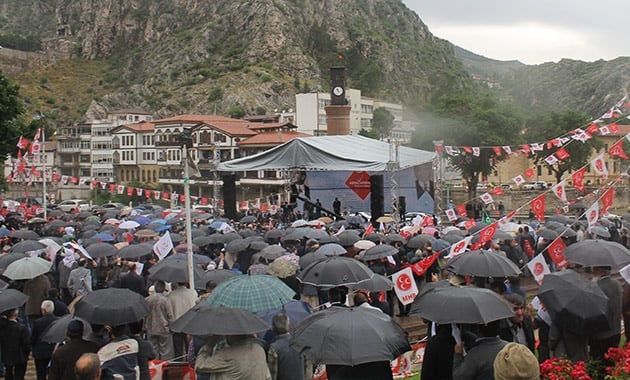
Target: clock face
338, 91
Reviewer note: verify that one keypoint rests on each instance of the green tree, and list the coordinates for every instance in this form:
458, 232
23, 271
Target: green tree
11, 111
555, 124
237, 112
382, 123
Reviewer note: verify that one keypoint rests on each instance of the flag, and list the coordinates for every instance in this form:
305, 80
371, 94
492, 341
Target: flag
405, 286
467, 149
507, 149
538, 206
604, 130
599, 165
368, 230
536, 147
451, 214
486, 198
538, 267
555, 249
226, 228
529, 173
459, 247
497, 190
423, 265
497, 150
485, 218
550, 160
607, 200
130, 191
562, 154
120, 189
461, 210
163, 246
560, 191
592, 128
487, 233
617, 150
476, 151
427, 220
578, 179
23, 143
592, 215
518, 180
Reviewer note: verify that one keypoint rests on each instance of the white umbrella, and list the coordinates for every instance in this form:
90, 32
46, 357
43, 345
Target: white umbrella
129, 225
27, 268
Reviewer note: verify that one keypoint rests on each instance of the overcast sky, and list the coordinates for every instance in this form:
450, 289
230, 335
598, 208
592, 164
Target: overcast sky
534, 31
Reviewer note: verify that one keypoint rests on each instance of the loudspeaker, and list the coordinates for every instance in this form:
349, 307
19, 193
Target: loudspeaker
229, 196
376, 196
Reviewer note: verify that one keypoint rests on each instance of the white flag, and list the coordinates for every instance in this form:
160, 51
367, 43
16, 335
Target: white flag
519, 180
625, 273
592, 215
226, 228
121, 189
599, 165
405, 286
550, 160
538, 267
451, 214
163, 246
476, 151
459, 247
486, 198
507, 149
560, 191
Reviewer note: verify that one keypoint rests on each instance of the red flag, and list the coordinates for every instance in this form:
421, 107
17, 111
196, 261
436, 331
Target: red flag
498, 190
607, 199
562, 154
467, 149
578, 179
461, 210
23, 142
497, 150
538, 206
469, 223
427, 220
617, 150
421, 266
112, 187
614, 128
148, 193
487, 233
529, 173
368, 230
593, 128
130, 191
556, 250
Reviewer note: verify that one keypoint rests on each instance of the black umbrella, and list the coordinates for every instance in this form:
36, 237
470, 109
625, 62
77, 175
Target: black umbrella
452, 237
111, 306
216, 275
377, 283
204, 320
57, 223
11, 299
245, 233
56, 331
378, 252
310, 258
27, 246
258, 245
216, 238
335, 271
202, 241
395, 238
577, 304
419, 241
330, 239
454, 304
347, 238
175, 237
248, 219
134, 251
596, 252
483, 263
197, 258
237, 246
24, 235
226, 238
175, 270
11, 257
349, 336
331, 249
272, 252
600, 231
548, 233
273, 234
101, 250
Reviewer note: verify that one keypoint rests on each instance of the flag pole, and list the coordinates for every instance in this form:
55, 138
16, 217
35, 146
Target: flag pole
189, 251
43, 155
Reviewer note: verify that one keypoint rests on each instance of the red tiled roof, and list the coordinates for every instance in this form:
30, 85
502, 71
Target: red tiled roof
232, 127
272, 138
144, 126
267, 126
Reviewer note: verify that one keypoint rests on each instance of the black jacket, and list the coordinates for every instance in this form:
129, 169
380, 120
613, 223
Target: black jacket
42, 350
14, 342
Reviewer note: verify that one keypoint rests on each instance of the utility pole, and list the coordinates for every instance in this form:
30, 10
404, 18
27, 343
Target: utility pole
186, 140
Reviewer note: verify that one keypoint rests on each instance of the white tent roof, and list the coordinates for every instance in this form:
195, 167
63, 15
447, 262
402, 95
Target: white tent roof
329, 153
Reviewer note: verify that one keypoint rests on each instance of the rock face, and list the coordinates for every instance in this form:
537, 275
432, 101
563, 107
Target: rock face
195, 55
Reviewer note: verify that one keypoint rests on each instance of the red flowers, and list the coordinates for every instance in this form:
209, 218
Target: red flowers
621, 358
563, 369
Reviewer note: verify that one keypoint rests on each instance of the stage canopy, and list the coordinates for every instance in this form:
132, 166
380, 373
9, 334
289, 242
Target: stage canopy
329, 153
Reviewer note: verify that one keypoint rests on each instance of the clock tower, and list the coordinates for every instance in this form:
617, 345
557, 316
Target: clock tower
338, 112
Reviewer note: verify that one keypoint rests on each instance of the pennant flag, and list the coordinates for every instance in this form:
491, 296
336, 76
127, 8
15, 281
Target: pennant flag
470, 223
529, 173
497, 150
538, 206
525, 149
485, 218
592, 128
112, 187
467, 149
476, 151
536, 147
538, 267
163, 246
560, 191
157, 194
23, 143
451, 214
486, 198
423, 265
551, 160
518, 180
148, 193
130, 191
368, 230
510, 215
614, 128
459, 247
139, 191
607, 200
120, 189
604, 130
450, 151
166, 196
507, 149
599, 165
617, 150
556, 250
487, 233
461, 210
427, 220
405, 286
592, 215
497, 190
562, 154
578, 179
82, 181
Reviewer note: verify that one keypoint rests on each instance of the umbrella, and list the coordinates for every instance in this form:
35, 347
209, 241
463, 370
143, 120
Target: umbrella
379, 251
483, 263
176, 238
253, 293
453, 237
11, 257
349, 336
183, 248
299, 223
273, 234
548, 233
562, 219
36, 220
310, 258
335, 271
295, 310
158, 227
128, 225
237, 246
578, 304
429, 231
331, 249
395, 238
142, 220
134, 251
596, 252
27, 268
11, 299
385, 219
56, 331
25, 235
111, 306
216, 238
202, 241
104, 237
282, 268
272, 252
325, 219
197, 259
28, 246
293, 236
419, 241
329, 239
101, 250
216, 275
316, 234
248, 219
4, 232
174, 270
204, 320
227, 238
600, 231
374, 237
197, 232
258, 245
347, 238
145, 233
454, 304
113, 221
364, 244
377, 283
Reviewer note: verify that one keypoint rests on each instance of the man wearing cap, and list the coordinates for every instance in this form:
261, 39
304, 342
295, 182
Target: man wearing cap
64, 357
516, 362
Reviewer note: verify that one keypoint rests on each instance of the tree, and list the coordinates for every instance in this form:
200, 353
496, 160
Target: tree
11, 109
556, 124
382, 123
